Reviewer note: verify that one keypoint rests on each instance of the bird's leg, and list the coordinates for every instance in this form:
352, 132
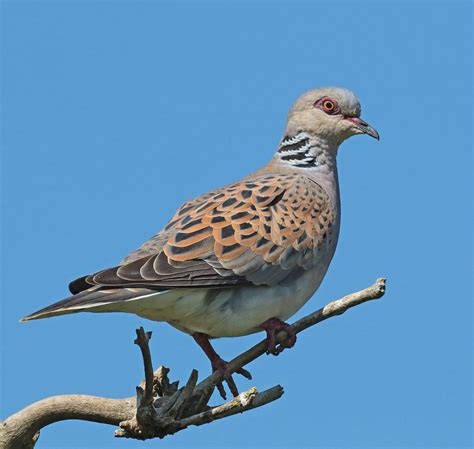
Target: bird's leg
272, 327
218, 364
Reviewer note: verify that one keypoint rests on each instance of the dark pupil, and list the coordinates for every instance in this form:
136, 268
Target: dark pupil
328, 105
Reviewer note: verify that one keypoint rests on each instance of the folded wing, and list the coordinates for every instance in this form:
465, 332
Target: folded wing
257, 231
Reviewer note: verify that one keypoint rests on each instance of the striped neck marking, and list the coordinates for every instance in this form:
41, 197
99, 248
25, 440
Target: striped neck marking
295, 150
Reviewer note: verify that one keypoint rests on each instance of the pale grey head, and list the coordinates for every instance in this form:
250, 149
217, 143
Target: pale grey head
330, 113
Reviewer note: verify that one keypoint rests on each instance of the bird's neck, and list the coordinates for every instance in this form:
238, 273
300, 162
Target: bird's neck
307, 152
312, 156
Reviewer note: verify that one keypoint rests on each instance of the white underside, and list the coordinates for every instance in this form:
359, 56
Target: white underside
229, 312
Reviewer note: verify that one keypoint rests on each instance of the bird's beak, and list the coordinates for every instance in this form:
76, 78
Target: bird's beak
364, 127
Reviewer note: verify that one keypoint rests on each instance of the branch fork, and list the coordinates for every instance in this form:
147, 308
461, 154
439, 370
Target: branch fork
164, 409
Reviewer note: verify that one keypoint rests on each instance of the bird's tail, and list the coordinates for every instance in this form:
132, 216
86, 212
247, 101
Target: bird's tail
94, 299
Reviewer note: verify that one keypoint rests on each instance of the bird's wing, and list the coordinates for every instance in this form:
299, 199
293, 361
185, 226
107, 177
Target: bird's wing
257, 231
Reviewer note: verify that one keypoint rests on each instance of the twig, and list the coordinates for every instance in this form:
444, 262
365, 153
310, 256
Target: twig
245, 401
186, 394
145, 395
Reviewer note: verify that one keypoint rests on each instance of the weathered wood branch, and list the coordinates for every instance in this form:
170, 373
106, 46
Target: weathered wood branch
160, 407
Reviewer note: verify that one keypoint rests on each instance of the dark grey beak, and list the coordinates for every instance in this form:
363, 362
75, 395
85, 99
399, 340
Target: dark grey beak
364, 127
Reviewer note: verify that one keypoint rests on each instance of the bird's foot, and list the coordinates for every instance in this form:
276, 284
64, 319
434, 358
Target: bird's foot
223, 367
272, 327
218, 364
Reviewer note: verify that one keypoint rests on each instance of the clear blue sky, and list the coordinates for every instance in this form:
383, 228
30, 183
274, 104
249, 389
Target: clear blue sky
114, 113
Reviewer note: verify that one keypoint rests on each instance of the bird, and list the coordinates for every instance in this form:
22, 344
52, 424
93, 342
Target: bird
245, 257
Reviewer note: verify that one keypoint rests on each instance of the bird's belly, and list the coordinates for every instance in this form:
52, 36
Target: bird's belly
230, 312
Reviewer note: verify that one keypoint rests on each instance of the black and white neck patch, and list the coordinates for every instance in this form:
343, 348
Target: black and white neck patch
295, 150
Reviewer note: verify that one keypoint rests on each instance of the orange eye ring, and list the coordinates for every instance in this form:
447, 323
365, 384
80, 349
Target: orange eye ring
328, 105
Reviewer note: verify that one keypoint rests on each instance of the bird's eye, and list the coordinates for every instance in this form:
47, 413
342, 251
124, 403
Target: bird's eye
328, 105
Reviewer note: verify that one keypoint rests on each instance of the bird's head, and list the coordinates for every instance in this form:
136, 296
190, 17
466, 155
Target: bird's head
330, 113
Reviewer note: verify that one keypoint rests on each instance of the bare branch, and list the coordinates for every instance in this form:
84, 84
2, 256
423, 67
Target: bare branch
145, 396
161, 408
245, 401
21, 430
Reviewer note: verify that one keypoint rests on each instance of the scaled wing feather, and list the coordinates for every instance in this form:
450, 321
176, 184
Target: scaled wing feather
256, 231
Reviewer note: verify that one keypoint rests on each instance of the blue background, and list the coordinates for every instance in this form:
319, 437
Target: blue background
115, 113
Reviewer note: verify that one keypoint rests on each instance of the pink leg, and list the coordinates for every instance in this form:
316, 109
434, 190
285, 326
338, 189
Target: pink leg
272, 327
218, 364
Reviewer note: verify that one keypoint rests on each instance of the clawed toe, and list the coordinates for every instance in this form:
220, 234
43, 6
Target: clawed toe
220, 365
272, 327
223, 367
245, 373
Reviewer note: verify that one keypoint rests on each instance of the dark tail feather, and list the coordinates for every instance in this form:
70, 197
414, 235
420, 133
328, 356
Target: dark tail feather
79, 285
91, 298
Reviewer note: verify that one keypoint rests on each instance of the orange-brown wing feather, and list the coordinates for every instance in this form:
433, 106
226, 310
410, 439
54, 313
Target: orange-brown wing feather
259, 230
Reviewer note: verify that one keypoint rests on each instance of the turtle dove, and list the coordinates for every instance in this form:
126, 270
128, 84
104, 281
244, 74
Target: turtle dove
245, 257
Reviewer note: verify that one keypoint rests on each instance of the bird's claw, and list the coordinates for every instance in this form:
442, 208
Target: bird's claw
220, 365
272, 327
223, 367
